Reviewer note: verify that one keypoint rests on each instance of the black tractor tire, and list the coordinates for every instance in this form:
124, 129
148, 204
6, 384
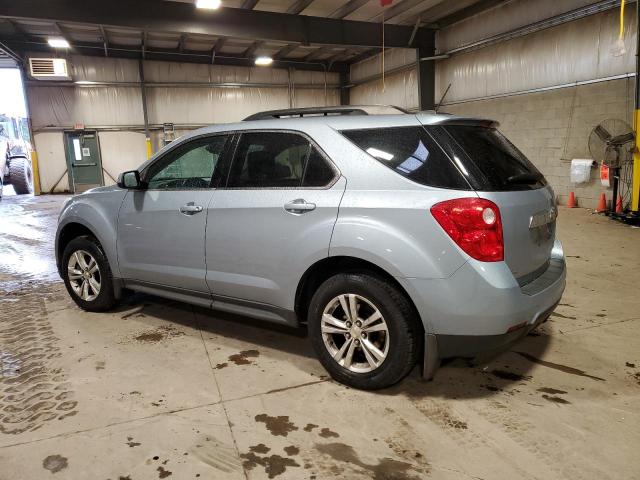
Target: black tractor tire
404, 329
21, 175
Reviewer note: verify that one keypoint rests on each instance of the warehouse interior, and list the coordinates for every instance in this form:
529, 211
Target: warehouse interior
160, 389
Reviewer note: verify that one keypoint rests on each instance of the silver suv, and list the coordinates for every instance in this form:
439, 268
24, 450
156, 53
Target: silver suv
396, 238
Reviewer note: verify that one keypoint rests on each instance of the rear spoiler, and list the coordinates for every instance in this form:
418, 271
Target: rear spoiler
459, 121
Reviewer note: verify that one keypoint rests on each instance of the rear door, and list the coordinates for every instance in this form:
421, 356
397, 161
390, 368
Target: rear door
499, 172
161, 229
274, 218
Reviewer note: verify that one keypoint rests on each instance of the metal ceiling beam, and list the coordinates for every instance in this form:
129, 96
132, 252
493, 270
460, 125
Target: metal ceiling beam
465, 13
316, 53
217, 47
105, 40
284, 51
19, 44
183, 38
348, 8
178, 17
249, 52
299, 6
366, 54
396, 10
249, 4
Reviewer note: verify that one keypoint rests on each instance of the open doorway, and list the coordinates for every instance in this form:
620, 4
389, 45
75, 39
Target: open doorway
16, 175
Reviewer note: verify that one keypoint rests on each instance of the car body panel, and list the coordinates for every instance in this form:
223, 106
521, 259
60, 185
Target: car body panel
395, 230
157, 243
253, 253
258, 251
97, 209
482, 299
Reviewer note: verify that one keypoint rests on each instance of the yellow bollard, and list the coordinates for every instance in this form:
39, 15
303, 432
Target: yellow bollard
149, 152
36, 173
635, 188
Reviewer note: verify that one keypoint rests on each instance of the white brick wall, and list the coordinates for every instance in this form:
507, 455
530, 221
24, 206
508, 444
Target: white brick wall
553, 127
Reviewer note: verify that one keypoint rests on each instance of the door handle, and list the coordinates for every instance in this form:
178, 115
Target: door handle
190, 209
299, 205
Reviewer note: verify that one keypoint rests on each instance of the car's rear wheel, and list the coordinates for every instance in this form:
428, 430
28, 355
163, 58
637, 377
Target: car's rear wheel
87, 275
364, 330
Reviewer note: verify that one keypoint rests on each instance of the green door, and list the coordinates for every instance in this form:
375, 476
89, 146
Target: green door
83, 160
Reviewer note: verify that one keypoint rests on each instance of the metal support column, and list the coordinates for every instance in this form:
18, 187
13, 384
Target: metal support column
635, 186
344, 88
143, 92
427, 77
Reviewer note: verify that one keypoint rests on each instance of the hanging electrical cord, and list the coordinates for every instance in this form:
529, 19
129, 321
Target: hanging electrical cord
618, 49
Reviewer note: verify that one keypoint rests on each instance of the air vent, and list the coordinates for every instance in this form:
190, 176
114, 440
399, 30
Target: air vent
49, 68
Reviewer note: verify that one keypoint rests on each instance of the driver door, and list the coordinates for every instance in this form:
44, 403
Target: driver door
161, 229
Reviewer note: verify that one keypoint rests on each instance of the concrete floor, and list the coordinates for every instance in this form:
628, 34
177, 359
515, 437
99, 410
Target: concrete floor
162, 390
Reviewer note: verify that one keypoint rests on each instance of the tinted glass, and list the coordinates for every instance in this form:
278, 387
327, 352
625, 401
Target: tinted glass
412, 153
190, 166
269, 160
497, 163
318, 172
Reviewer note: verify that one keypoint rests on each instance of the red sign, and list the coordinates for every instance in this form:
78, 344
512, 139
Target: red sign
384, 3
604, 175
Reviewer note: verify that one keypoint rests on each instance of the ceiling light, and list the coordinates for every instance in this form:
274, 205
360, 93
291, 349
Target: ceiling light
264, 61
208, 4
58, 43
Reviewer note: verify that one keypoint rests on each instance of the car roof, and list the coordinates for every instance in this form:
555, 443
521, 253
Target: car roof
345, 122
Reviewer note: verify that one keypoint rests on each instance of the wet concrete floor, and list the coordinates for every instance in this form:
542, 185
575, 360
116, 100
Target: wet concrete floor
158, 389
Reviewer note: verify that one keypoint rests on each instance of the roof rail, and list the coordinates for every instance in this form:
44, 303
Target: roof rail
323, 111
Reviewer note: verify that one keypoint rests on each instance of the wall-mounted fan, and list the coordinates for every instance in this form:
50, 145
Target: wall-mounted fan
612, 143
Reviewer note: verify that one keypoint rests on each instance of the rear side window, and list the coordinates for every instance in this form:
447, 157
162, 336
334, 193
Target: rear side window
411, 152
493, 161
277, 160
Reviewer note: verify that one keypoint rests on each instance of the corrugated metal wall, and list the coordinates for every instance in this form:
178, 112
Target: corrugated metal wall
400, 88
187, 95
568, 53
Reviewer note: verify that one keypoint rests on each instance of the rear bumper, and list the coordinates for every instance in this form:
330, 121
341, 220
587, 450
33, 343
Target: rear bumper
482, 308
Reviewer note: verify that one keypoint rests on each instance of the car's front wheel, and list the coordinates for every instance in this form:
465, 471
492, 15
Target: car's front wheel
364, 330
87, 275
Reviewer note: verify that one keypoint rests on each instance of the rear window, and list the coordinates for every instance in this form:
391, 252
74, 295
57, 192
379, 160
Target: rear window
492, 162
411, 152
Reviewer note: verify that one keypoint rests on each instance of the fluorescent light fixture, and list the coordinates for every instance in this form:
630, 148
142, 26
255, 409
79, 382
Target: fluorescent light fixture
374, 152
208, 4
58, 43
263, 61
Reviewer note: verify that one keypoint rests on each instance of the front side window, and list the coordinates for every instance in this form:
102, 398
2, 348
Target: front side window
190, 166
277, 160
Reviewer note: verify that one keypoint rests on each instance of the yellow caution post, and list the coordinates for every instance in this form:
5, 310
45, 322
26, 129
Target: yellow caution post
36, 173
635, 185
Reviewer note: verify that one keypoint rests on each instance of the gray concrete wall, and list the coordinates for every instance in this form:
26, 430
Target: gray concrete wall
552, 127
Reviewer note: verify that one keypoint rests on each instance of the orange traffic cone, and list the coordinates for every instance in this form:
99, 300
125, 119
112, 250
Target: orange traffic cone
571, 203
602, 204
619, 204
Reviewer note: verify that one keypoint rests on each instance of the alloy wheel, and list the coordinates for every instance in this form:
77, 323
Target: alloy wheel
84, 275
355, 333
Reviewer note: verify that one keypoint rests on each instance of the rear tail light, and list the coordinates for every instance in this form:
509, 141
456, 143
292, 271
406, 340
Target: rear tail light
474, 224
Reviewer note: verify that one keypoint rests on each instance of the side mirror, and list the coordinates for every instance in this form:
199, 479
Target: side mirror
130, 180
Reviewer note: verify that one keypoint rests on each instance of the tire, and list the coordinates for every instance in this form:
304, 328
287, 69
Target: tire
88, 248
400, 342
21, 175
